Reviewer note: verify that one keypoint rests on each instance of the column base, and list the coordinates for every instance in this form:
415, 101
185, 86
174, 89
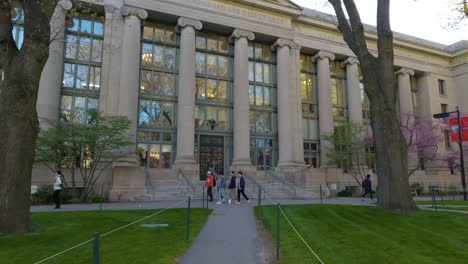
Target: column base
245, 166
190, 170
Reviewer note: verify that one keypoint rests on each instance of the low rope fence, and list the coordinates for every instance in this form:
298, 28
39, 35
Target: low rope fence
280, 212
97, 236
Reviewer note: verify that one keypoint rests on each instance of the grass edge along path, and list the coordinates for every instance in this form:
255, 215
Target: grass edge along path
59, 231
362, 234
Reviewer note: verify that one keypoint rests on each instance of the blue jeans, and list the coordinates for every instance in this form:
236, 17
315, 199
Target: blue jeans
221, 194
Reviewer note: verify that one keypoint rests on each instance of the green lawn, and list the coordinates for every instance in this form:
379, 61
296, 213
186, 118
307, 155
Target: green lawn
361, 234
446, 202
58, 231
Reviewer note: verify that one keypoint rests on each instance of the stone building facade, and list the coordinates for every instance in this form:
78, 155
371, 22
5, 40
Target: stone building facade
243, 84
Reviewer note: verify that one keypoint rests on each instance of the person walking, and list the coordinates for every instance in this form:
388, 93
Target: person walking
232, 185
209, 185
221, 185
57, 189
241, 188
367, 186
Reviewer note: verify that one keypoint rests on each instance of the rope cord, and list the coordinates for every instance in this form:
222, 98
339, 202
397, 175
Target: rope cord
112, 231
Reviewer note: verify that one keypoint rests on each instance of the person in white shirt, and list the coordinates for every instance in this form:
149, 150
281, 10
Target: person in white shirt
57, 189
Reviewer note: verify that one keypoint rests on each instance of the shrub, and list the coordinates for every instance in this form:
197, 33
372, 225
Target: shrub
345, 193
417, 187
96, 198
43, 195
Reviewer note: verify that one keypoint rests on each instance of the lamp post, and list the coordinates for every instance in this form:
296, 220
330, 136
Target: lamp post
460, 144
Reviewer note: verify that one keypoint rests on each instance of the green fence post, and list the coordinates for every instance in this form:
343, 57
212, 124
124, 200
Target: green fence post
102, 196
321, 202
434, 204
277, 230
188, 220
96, 248
203, 197
259, 196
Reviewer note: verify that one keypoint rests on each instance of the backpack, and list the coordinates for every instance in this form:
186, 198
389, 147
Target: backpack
214, 181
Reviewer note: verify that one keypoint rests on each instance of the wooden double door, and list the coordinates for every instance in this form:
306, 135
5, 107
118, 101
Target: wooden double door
211, 153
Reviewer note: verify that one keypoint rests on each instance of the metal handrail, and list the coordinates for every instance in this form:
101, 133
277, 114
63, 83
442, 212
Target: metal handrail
189, 183
256, 183
282, 181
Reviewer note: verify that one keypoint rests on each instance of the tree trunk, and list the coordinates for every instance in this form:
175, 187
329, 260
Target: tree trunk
393, 190
18, 132
18, 117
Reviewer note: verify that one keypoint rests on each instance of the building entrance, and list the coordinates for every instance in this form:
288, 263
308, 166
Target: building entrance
211, 154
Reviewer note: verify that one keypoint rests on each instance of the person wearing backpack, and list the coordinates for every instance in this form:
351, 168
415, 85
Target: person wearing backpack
241, 188
367, 186
58, 185
209, 185
232, 185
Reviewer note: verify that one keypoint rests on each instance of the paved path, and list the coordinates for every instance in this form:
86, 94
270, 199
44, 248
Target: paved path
195, 203
230, 236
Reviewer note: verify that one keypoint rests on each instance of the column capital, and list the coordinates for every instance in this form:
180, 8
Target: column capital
189, 22
404, 71
241, 33
133, 11
109, 9
351, 61
282, 42
324, 55
65, 4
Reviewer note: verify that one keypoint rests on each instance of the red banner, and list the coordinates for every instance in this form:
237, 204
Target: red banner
454, 129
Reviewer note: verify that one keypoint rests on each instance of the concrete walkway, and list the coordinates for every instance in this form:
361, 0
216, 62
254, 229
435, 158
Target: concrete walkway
230, 236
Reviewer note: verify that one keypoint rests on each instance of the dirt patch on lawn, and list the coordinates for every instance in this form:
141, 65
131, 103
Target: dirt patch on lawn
266, 246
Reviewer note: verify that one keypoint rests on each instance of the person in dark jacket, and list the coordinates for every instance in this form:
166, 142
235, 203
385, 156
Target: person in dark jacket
232, 185
367, 186
241, 188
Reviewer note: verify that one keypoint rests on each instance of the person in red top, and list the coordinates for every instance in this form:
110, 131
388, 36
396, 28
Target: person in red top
209, 184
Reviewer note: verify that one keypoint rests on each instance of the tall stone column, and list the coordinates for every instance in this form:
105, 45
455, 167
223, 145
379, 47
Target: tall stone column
353, 90
404, 90
299, 131
186, 99
130, 68
111, 61
286, 102
48, 98
129, 178
241, 99
324, 100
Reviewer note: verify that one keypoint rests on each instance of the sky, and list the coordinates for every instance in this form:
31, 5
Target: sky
426, 19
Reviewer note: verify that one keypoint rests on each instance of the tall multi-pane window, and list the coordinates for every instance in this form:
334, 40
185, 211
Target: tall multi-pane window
442, 88
309, 110
17, 19
338, 90
213, 81
308, 91
157, 96
414, 93
82, 69
263, 112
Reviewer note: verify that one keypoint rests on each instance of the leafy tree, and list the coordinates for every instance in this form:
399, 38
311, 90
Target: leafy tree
91, 147
350, 149
380, 86
423, 137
